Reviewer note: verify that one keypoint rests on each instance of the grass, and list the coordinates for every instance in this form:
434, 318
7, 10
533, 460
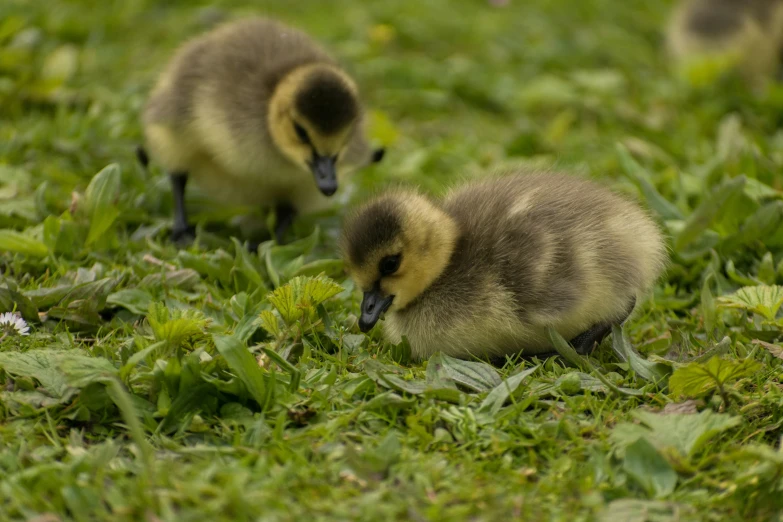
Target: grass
212, 384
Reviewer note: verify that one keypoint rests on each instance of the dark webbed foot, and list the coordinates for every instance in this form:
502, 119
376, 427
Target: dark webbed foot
285, 215
183, 237
181, 233
585, 343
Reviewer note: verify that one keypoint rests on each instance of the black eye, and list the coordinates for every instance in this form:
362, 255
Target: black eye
389, 265
301, 133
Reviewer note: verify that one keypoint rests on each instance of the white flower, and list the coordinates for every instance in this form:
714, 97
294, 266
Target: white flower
12, 323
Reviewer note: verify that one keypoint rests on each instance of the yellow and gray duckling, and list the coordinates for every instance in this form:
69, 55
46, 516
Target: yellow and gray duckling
256, 113
742, 34
485, 271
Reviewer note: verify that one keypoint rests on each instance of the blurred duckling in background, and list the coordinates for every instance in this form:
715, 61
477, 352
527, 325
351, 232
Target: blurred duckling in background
484, 272
256, 113
708, 37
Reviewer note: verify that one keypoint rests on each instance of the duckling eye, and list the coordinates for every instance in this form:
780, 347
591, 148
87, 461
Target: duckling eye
389, 265
301, 133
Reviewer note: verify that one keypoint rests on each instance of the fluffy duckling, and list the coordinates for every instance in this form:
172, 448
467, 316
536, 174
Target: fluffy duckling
485, 271
256, 113
748, 34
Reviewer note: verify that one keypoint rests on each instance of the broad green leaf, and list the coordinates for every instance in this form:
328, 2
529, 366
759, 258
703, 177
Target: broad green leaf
312, 291
648, 370
759, 190
33, 399
476, 376
185, 279
133, 299
12, 241
437, 375
686, 433
697, 378
95, 292
284, 301
658, 203
766, 271
101, 223
708, 211
389, 400
244, 264
683, 433
759, 227
101, 201
41, 365
500, 393
81, 370
650, 469
332, 268
761, 299
302, 295
245, 366
175, 326
270, 323
414, 386
51, 231
633, 510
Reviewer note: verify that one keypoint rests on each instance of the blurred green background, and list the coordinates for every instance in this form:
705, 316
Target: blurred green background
126, 327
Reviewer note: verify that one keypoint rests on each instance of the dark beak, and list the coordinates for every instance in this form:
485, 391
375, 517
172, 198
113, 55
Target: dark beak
325, 174
373, 306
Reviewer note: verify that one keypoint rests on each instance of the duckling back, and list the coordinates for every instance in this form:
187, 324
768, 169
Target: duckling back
245, 58
534, 250
212, 113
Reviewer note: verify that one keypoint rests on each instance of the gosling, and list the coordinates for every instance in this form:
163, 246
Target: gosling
484, 272
257, 114
747, 34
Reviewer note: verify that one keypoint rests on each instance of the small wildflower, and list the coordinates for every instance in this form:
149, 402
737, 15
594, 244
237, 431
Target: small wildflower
13, 323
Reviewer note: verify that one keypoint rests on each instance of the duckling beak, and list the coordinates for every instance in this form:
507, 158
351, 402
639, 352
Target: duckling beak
373, 306
325, 174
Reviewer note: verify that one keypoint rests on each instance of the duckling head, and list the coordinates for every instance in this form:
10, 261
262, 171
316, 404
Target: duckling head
394, 248
313, 114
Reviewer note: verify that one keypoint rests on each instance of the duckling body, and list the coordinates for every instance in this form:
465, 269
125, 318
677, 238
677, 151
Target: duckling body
487, 270
747, 33
256, 113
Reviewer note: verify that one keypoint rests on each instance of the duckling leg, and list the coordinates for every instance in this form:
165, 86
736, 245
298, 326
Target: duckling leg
585, 343
181, 232
285, 215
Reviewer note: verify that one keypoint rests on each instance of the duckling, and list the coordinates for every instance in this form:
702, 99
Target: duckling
747, 34
485, 271
256, 113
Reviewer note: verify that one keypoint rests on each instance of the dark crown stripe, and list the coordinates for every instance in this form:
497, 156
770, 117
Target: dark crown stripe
327, 102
